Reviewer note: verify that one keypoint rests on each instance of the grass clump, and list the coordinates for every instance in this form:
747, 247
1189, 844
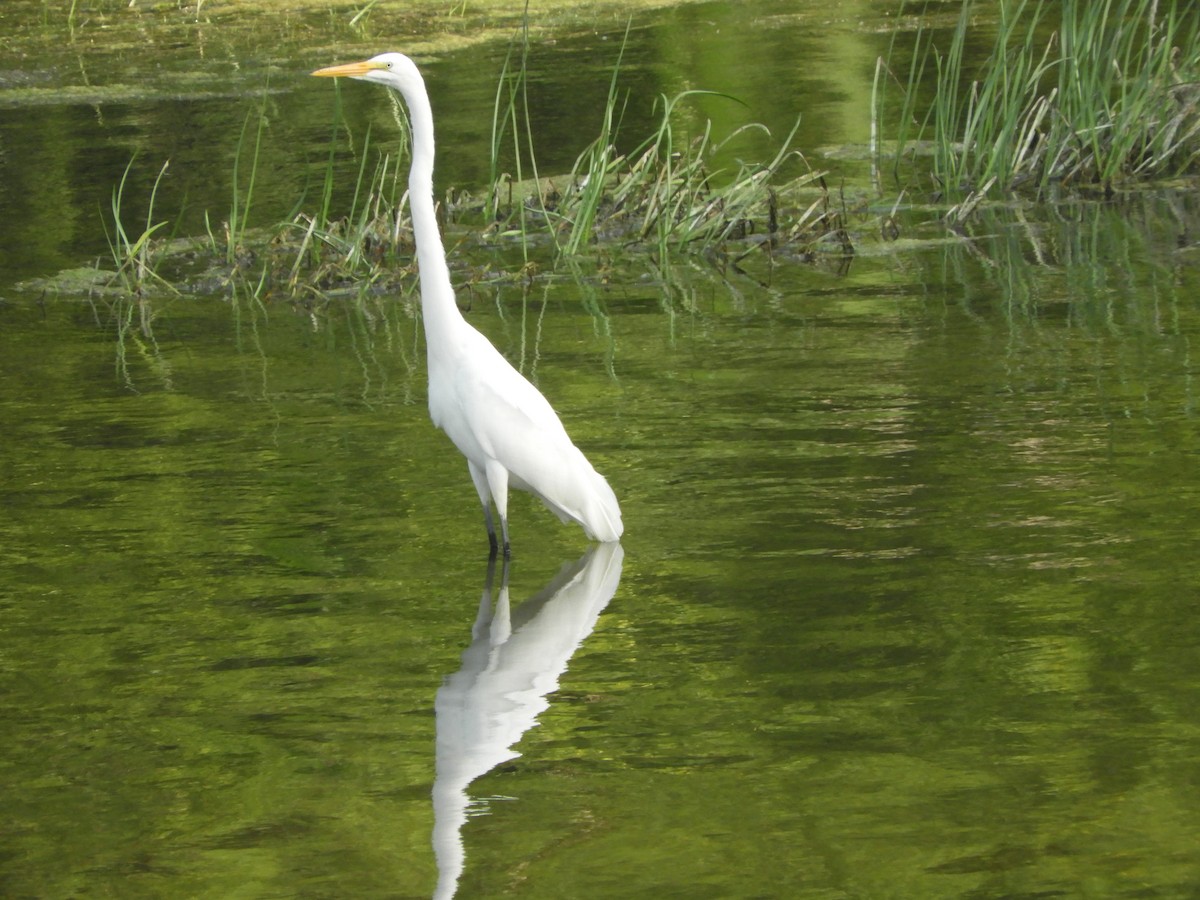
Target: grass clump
663, 193
1105, 93
664, 197
136, 257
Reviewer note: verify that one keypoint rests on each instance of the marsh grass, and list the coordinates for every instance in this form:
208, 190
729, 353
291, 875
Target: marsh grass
368, 247
136, 256
239, 210
595, 169
664, 195
233, 236
511, 121
663, 198
1104, 94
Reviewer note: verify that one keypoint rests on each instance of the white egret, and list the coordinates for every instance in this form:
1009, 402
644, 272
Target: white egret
507, 430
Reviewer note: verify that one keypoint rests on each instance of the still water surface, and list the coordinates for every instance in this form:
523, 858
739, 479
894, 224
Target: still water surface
905, 606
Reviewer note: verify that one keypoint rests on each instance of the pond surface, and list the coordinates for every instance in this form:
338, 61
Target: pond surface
904, 607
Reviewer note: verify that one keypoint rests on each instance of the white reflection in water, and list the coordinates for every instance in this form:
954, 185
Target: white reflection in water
514, 661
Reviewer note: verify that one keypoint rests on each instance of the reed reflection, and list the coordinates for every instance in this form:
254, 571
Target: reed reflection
514, 662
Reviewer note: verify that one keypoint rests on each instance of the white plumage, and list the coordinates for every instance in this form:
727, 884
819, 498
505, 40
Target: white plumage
507, 430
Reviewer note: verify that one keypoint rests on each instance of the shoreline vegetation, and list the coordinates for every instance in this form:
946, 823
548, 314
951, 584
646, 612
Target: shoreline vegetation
1100, 98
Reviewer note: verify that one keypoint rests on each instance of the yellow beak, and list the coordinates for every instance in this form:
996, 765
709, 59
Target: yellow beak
349, 70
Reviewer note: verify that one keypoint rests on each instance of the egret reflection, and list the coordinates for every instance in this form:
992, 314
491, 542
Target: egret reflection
514, 661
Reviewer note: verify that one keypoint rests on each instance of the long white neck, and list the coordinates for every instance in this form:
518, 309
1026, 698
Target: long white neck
438, 308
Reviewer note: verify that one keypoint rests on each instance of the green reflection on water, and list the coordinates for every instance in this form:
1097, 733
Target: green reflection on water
905, 606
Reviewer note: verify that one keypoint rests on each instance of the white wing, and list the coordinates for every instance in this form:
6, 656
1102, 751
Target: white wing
492, 412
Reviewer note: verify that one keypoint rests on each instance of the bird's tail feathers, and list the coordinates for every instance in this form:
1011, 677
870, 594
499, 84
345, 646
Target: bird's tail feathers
602, 513
594, 506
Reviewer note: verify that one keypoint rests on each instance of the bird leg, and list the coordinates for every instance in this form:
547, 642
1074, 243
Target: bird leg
497, 480
507, 549
487, 490
491, 529
479, 477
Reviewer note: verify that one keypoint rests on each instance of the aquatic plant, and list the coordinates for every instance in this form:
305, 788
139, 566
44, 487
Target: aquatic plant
128, 291
361, 248
664, 197
1107, 96
360, 16
239, 209
511, 119
136, 257
662, 194
594, 169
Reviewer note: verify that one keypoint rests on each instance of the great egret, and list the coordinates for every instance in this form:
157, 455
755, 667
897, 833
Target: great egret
507, 430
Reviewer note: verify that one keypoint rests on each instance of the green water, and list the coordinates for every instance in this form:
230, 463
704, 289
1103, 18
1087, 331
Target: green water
905, 605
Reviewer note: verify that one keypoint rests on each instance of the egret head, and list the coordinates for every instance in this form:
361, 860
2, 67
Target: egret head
393, 69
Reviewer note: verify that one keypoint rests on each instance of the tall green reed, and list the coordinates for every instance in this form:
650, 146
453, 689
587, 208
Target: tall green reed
239, 210
135, 256
511, 121
594, 165
1073, 93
